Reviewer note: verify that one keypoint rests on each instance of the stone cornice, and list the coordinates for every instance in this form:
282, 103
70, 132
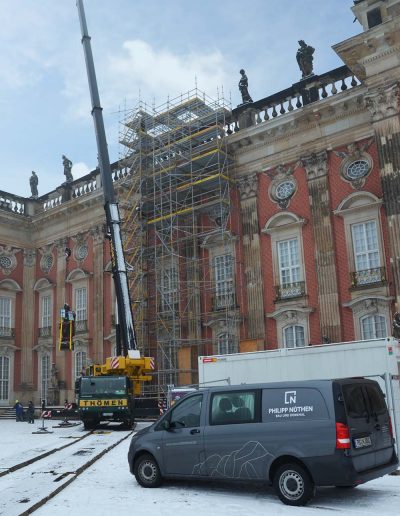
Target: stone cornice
286, 309
367, 47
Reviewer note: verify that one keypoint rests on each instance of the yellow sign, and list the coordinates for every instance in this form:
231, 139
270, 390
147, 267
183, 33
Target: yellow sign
103, 403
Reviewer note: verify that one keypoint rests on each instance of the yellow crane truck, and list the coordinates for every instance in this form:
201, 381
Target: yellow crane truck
107, 391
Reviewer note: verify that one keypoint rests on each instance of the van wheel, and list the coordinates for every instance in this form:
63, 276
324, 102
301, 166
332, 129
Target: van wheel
293, 484
147, 472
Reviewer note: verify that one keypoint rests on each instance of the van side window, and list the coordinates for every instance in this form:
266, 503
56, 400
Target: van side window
376, 400
187, 413
233, 407
354, 400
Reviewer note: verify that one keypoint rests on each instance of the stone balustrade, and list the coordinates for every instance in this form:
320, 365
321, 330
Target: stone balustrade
13, 203
80, 187
307, 91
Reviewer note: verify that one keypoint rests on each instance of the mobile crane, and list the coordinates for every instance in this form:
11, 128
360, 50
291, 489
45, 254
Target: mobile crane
107, 391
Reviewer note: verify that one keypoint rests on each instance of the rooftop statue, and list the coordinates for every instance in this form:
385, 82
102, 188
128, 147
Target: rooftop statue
243, 87
67, 169
305, 58
34, 181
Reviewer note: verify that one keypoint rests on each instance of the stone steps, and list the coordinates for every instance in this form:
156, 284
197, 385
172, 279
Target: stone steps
7, 413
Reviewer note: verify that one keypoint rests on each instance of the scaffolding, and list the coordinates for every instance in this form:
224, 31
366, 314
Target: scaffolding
177, 202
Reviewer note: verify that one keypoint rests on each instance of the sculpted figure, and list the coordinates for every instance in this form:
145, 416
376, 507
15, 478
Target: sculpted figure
33, 181
305, 58
243, 87
67, 169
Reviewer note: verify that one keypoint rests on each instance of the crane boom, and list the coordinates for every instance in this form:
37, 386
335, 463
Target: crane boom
125, 316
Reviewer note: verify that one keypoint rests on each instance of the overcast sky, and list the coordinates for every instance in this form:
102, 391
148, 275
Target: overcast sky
150, 49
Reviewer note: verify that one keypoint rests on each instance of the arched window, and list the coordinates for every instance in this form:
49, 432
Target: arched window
373, 327
226, 344
4, 377
293, 336
80, 362
5, 317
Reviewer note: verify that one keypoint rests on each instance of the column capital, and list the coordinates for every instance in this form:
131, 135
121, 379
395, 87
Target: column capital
383, 102
248, 186
97, 234
29, 257
315, 164
61, 244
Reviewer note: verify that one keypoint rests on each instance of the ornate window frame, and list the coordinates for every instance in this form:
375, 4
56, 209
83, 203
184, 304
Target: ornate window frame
221, 244
369, 305
6, 355
45, 288
9, 288
81, 358
293, 316
282, 227
358, 208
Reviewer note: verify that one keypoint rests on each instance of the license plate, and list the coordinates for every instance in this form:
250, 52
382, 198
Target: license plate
107, 414
362, 442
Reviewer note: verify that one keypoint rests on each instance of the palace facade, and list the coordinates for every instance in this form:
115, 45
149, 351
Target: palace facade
276, 224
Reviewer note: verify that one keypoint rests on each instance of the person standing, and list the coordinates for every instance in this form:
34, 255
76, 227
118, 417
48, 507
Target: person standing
19, 411
30, 412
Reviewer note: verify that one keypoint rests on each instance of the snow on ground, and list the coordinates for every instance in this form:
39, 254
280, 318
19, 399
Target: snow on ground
18, 444
107, 488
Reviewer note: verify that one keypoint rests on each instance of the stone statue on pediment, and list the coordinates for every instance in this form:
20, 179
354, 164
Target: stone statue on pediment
67, 169
243, 88
305, 58
33, 182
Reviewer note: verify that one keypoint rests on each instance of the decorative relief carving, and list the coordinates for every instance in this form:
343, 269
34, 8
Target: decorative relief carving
8, 261
356, 165
97, 233
315, 164
29, 257
61, 244
248, 186
47, 260
219, 214
283, 185
81, 249
383, 102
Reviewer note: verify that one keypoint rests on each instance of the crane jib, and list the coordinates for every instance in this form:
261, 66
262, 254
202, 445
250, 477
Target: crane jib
127, 328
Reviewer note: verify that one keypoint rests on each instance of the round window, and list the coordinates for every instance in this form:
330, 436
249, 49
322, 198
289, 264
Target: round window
82, 252
358, 169
285, 189
48, 262
5, 262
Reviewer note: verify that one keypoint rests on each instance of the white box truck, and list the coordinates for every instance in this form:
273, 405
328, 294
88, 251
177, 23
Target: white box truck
377, 359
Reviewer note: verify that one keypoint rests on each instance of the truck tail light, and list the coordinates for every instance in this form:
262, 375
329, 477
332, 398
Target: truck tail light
342, 436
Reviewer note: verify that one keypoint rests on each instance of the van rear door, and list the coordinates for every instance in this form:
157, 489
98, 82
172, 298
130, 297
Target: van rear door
383, 441
368, 422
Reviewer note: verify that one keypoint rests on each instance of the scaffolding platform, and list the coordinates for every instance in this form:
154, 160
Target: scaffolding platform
178, 199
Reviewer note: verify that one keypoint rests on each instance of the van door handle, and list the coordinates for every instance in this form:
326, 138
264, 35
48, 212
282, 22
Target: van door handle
195, 431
